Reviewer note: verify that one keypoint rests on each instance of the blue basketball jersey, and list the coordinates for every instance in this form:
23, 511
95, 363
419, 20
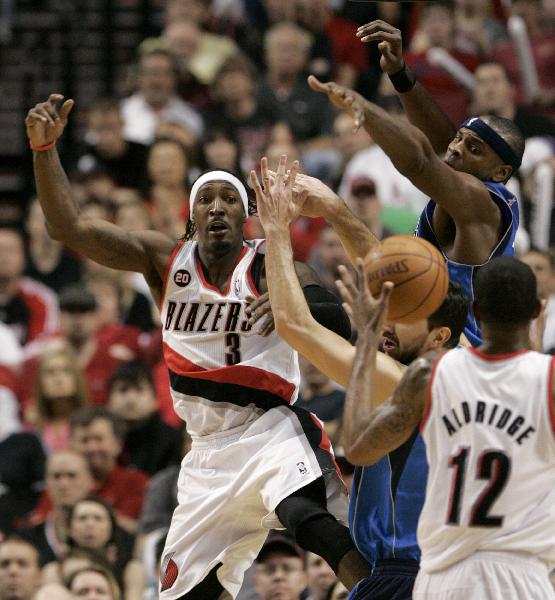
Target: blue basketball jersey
464, 274
386, 501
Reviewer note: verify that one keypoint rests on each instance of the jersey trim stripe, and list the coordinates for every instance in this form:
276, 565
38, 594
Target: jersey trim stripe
494, 357
551, 408
209, 286
252, 378
167, 270
428, 405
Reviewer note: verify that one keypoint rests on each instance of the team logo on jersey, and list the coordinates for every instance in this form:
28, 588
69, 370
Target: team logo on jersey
302, 468
237, 286
182, 278
168, 572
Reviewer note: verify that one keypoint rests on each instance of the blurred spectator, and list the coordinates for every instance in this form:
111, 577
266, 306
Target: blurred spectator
494, 93
27, 306
161, 494
68, 480
365, 204
542, 42
320, 395
347, 143
220, 150
320, 577
48, 591
168, 167
156, 100
199, 52
20, 576
21, 473
99, 350
328, 254
94, 583
75, 559
477, 28
336, 53
280, 570
107, 149
92, 526
150, 445
47, 260
309, 115
543, 264
239, 109
337, 592
98, 435
182, 37
59, 391
438, 32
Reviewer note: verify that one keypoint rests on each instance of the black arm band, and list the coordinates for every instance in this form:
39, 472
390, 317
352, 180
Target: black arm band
326, 308
404, 80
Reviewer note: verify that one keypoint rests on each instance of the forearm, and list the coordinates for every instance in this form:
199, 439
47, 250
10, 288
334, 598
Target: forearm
426, 114
408, 148
54, 192
356, 238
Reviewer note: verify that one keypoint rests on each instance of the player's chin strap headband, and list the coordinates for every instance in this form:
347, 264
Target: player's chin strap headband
494, 141
219, 176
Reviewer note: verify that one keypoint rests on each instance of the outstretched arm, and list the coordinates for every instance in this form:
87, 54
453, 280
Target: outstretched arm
463, 196
422, 110
146, 252
372, 427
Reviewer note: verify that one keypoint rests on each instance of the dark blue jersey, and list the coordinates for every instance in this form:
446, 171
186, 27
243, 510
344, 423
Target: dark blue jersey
464, 274
386, 500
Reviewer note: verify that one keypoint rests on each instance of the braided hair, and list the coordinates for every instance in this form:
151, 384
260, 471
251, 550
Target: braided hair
191, 228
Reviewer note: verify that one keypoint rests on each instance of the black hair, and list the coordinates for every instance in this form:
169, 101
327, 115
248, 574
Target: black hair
508, 131
505, 291
190, 227
132, 373
86, 415
452, 313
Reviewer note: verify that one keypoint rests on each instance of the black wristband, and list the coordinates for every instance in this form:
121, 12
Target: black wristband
404, 80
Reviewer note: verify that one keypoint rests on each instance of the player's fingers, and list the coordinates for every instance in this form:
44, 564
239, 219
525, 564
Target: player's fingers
256, 185
280, 173
347, 279
33, 116
267, 326
377, 25
347, 308
257, 304
343, 292
385, 292
66, 109
380, 36
264, 173
53, 98
318, 86
293, 172
43, 112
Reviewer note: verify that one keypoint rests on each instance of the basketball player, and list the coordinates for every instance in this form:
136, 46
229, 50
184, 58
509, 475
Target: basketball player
386, 497
471, 216
256, 461
487, 417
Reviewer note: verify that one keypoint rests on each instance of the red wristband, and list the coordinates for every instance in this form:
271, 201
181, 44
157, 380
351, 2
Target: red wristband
42, 148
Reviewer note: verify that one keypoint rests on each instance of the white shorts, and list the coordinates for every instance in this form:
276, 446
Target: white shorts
487, 576
228, 489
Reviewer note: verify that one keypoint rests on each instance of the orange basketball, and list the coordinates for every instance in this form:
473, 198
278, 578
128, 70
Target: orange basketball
418, 271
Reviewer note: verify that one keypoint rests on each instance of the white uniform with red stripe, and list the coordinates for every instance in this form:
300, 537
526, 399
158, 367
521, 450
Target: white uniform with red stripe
489, 430
251, 448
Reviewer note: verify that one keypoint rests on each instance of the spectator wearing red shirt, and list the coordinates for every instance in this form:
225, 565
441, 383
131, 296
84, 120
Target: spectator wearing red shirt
98, 435
438, 31
28, 307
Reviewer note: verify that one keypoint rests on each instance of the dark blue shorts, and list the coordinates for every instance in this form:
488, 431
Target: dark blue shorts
390, 580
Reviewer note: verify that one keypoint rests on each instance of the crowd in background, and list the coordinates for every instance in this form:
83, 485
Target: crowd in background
89, 443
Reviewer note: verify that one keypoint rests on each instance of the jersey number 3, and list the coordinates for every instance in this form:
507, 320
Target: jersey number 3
233, 354
493, 466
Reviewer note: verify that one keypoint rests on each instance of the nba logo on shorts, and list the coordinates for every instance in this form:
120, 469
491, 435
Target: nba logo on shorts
302, 468
168, 572
182, 278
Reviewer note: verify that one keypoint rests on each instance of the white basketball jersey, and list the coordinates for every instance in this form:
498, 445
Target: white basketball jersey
223, 374
489, 429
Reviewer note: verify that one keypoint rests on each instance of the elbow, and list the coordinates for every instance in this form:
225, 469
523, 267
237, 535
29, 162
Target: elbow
56, 233
360, 456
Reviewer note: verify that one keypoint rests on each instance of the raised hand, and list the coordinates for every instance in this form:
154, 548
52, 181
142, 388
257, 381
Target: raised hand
390, 44
45, 123
277, 204
342, 97
258, 308
366, 312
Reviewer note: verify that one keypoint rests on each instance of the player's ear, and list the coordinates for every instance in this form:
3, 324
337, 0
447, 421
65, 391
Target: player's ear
438, 337
502, 173
537, 309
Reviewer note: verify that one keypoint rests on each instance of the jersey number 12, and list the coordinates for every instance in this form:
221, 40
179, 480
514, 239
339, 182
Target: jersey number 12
493, 466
